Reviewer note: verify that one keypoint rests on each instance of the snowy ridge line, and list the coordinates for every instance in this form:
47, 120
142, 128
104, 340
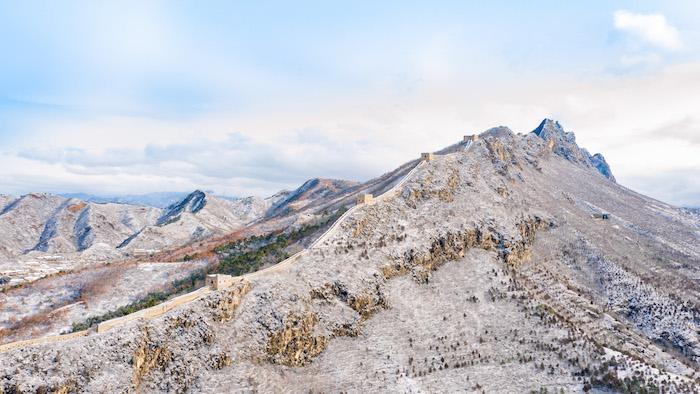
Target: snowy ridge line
389, 193
326, 234
171, 304
161, 309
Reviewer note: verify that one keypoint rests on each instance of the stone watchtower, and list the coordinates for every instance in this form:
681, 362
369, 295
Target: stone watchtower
427, 156
471, 138
365, 198
219, 281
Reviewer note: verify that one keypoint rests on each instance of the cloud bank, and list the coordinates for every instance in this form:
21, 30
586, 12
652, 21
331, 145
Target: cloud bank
653, 29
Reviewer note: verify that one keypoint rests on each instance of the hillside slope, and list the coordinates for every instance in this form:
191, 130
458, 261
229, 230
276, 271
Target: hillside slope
488, 272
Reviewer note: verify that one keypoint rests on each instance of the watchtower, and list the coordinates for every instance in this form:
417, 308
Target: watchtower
471, 138
365, 198
219, 281
427, 156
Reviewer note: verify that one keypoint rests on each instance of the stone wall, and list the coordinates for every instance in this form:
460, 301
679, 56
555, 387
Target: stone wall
41, 341
153, 311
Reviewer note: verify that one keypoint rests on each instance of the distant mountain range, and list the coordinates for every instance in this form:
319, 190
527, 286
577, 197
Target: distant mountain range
157, 199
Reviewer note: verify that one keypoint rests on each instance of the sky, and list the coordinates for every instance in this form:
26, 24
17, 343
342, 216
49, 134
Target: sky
247, 98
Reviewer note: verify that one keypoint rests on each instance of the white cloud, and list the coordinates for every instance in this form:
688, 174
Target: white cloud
653, 29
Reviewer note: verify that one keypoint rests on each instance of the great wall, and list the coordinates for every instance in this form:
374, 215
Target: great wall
216, 282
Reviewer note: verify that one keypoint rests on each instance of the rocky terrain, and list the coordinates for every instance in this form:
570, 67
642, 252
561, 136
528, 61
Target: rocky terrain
514, 264
311, 191
41, 225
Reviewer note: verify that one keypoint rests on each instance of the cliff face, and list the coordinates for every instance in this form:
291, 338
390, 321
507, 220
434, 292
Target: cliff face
486, 272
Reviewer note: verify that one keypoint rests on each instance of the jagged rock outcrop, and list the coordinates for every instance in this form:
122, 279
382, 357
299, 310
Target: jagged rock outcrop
564, 144
193, 203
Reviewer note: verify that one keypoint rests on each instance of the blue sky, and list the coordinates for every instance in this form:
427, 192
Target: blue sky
251, 97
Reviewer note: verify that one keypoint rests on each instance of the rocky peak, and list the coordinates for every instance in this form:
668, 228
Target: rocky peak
193, 203
563, 143
549, 128
552, 130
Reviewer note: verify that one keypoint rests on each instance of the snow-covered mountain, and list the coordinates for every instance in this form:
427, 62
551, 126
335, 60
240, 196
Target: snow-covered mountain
198, 216
510, 264
40, 224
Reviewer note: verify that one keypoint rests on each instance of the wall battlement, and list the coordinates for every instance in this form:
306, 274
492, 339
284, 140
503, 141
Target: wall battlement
427, 156
470, 138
